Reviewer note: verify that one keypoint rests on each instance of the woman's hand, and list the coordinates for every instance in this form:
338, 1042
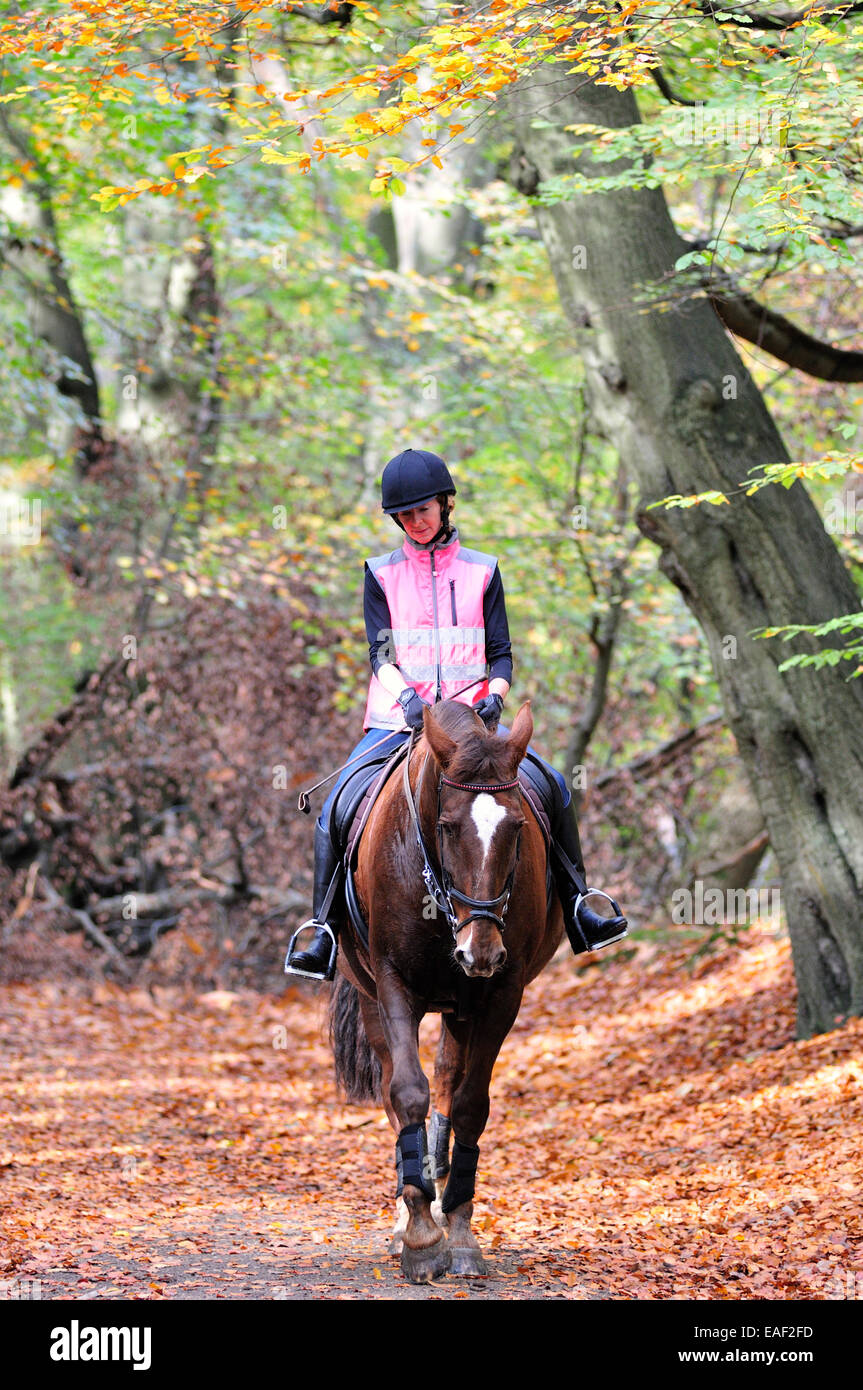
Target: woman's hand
412, 708
489, 710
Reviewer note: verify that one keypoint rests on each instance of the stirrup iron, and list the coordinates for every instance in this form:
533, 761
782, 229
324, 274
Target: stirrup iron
312, 974
620, 933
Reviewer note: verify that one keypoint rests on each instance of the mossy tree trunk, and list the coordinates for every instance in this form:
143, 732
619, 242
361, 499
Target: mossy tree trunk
668, 388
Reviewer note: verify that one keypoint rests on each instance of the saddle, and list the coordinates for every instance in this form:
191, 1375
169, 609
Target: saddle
351, 809
357, 796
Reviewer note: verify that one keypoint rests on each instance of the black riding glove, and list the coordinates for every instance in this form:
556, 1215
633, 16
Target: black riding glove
489, 710
412, 708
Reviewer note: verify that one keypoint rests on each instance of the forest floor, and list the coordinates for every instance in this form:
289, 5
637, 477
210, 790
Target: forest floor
655, 1133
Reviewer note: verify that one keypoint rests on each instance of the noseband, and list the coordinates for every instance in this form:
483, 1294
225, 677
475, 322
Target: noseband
442, 889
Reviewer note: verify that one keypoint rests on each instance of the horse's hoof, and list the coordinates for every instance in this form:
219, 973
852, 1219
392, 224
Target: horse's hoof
467, 1261
426, 1264
437, 1213
396, 1244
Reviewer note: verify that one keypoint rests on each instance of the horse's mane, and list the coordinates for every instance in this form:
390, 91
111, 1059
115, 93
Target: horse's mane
481, 756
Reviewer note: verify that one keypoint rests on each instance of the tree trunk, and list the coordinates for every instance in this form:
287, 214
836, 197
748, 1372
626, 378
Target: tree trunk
177, 368
10, 737
32, 250
170, 397
669, 389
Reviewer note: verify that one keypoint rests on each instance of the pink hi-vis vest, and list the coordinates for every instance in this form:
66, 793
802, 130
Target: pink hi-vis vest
438, 633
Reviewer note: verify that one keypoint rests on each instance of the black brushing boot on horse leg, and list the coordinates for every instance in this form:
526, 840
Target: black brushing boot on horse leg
587, 929
318, 960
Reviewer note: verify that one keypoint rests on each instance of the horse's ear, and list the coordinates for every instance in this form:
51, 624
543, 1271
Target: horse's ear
438, 740
520, 735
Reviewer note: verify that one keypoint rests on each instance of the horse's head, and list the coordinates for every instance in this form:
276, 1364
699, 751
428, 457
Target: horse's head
479, 825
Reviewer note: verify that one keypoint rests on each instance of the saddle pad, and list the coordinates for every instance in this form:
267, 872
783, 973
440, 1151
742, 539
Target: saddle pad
534, 776
357, 806
535, 802
352, 794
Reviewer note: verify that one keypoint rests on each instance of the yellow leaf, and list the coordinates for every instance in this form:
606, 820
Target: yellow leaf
272, 156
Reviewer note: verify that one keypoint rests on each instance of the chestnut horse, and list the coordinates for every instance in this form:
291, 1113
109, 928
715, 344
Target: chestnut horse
451, 877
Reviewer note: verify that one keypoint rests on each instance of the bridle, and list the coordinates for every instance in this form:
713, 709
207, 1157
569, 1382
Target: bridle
442, 889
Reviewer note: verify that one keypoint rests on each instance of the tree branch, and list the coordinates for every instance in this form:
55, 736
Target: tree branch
761, 841
84, 920
668, 91
648, 764
743, 315
169, 899
750, 19
331, 13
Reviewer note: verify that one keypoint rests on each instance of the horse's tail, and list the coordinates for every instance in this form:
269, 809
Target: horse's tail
358, 1071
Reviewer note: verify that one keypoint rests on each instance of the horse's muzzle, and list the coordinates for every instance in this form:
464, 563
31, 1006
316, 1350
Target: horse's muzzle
483, 954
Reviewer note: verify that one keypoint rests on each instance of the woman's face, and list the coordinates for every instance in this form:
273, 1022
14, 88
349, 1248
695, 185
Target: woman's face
422, 522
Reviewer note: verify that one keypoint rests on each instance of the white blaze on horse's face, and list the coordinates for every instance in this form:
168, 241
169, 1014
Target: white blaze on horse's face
486, 814
482, 952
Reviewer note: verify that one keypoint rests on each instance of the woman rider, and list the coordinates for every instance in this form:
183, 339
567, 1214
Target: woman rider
436, 619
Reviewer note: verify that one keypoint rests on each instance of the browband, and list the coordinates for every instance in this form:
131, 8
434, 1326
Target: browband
481, 787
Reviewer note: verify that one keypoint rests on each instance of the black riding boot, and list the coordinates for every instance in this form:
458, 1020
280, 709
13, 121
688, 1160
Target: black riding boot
587, 929
318, 961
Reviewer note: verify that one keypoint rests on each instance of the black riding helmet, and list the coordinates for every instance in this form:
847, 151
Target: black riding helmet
412, 477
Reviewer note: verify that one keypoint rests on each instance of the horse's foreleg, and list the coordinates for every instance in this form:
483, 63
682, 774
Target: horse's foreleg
470, 1107
424, 1254
448, 1072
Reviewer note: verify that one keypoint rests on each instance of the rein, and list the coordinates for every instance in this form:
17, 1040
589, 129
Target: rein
442, 889
303, 802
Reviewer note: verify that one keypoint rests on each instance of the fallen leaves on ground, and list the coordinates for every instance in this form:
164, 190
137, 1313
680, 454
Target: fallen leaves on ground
655, 1133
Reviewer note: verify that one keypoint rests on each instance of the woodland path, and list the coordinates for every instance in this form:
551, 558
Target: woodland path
655, 1133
